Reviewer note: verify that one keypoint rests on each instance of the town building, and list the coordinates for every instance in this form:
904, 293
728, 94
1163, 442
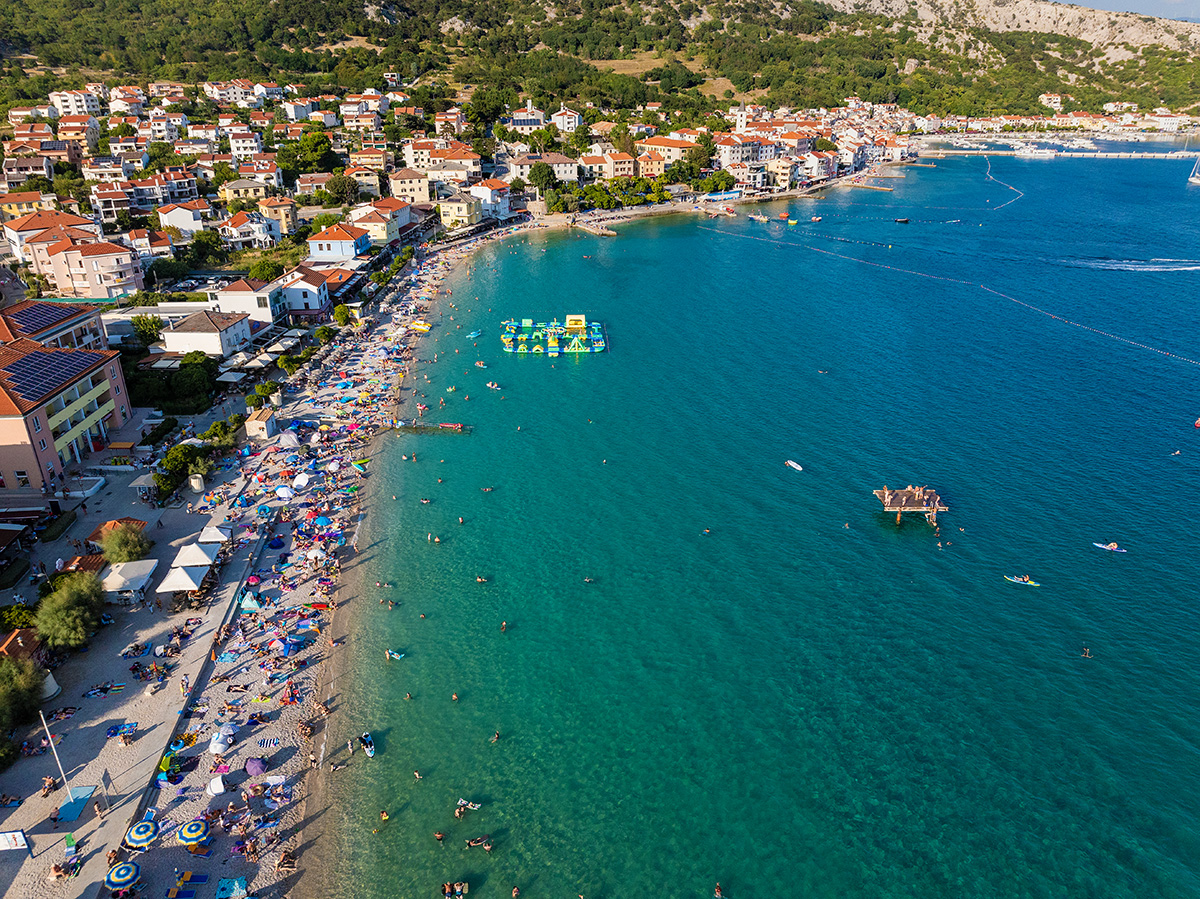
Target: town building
565, 168
338, 243
218, 334
101, 270
248, 230
409, 185
64, 325
460, 211
261, 301
56, 407
282, 210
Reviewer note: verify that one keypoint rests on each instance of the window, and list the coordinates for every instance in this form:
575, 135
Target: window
22, 478
112, 371
42, 444
262, 302
123, 415
304, 294
37, 424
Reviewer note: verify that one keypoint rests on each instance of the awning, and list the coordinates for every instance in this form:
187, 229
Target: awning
296, 332
196, 554
231, 377
183, 579
282, 346
213, 534
121, 445
129, 577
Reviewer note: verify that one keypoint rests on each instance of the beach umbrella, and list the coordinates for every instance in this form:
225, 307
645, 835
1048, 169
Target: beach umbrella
216, 786
310, 514
300, 481
213, 534
315, 553
334, 465
123, 875
193, 833
227, 730
141, 834
219, 744
256, 767
322, 521
252, 580
285, 493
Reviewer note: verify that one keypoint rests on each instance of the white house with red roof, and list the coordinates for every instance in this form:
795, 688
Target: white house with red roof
566, 120
338, 243
188, 217
249, 230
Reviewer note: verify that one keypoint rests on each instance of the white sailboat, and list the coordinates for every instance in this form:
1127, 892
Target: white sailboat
1194, 178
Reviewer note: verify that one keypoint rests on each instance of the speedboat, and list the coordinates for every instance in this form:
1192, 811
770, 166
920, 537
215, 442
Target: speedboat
368, 745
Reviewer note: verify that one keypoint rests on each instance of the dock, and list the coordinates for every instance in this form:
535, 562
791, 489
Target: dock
912, 499
871, 186
1066, 154
596, 230
922, 165
413, 427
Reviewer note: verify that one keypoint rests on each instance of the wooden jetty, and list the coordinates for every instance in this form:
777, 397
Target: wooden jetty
912, 499
431, 428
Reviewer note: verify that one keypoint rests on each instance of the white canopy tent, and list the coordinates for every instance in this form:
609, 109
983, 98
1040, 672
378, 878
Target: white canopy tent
183, 579
196, 554
145, 480
127, 580
231, 377
214, 534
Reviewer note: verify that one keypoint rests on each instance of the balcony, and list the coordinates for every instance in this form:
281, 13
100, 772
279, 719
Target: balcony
92, 418
76, 405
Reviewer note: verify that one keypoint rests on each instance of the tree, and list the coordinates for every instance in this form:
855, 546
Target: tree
266, 388
167, 269
342, 188
289, 363
542, 177
266, 270
222, 172
824, 145
69, 615
205, 245
324, 334
255, 401
341, 315
147, 328
324, 220
125, 543
20, 694
517, 186
191, 382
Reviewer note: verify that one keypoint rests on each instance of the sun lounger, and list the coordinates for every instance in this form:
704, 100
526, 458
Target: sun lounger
176, 893
192, 879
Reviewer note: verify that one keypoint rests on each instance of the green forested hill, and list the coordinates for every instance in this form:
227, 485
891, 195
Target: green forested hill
800, 53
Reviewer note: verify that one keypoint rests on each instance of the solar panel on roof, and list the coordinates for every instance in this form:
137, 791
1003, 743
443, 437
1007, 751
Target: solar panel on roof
40, 374
38, 317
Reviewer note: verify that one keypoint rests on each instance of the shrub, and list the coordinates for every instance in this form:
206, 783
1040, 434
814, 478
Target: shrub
16, 617
255, 400
324, 334
126, 543
168, 425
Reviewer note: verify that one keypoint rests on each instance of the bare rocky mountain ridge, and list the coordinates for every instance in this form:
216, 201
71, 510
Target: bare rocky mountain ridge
1099, 27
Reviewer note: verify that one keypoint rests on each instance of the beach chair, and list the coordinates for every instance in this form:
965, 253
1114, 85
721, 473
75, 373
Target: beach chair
176, 893
201, 850
71, 849
191, 878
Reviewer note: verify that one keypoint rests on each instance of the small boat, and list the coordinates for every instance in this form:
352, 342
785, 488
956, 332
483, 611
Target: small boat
368, 745
451, 389
815, 218
1194, 178
392, 654
1017, 580
901, 221
796, 465
754, 217
473, 335
783, 215
1111, 547
792, 222
1198, 422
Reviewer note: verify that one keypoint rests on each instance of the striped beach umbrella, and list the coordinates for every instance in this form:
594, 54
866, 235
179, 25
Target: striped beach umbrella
141, 834
123, 875
193, 832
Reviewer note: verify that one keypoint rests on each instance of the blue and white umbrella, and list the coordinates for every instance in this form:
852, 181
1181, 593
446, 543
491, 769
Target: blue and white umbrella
141, 834
123, 875
193, 833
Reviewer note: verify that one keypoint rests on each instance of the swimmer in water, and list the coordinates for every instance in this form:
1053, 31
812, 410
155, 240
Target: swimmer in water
1087, 653
480, 580
705, 531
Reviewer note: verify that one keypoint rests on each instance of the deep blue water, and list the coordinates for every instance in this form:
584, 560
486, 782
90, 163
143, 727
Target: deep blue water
807, 700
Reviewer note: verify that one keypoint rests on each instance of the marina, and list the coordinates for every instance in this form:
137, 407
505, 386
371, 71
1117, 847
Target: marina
575, 335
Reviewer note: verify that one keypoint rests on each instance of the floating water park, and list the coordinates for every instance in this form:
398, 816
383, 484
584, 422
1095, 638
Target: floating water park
575, 335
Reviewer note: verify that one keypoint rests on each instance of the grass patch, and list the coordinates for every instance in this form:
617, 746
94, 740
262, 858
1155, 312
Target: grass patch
57, 527
12, 575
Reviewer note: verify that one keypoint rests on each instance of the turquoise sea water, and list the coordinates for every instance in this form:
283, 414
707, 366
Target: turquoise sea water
807, 700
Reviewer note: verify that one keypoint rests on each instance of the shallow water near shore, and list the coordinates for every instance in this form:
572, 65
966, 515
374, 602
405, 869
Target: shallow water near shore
785, 703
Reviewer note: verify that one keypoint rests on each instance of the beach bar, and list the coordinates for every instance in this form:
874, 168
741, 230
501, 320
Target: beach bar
912, 499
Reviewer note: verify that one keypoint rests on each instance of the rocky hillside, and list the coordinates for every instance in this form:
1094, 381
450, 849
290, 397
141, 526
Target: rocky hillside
1098, 27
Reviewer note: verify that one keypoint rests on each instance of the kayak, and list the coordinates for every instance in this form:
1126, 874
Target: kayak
1017, 580
392, 654
1111, 549
796, 465
368, 745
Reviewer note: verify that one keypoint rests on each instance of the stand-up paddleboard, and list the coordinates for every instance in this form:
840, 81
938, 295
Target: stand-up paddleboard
368, 745
796, 465
1017, 580
1111, 549
392, 654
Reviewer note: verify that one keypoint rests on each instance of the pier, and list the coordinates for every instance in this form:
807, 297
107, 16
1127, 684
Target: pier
597, 230
1063, 154
912, 499
871, 186
412, 427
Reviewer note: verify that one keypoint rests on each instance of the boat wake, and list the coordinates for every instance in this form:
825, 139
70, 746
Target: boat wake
1136, 265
